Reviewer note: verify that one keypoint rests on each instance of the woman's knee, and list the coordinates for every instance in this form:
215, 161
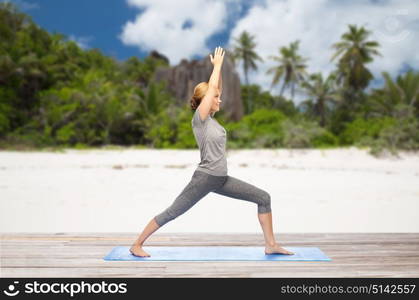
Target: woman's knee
161, 219
265, 205
166, 216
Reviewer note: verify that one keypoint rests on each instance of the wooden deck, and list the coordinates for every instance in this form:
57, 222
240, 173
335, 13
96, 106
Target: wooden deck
81, 255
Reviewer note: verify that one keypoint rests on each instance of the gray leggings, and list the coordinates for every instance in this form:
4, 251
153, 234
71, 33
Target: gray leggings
202, 183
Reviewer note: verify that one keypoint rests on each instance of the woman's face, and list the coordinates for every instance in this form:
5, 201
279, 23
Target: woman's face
216, 102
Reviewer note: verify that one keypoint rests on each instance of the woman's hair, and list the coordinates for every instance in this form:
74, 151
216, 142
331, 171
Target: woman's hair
198, 93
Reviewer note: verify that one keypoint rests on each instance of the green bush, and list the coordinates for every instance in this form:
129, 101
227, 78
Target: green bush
386, 134
66, 134
161, 131
81, 146
171, 128
260, 129
26, 138
7, 96
301, 133
360, 129
325, 139
403, 135
185, 138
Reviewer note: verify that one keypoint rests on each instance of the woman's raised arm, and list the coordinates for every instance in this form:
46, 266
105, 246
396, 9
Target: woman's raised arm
206, 102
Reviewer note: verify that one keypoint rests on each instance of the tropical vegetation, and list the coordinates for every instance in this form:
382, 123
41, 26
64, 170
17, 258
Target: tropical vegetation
53, 94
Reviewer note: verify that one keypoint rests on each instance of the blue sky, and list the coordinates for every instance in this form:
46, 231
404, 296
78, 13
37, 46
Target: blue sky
193, 28
91, 23
98, 23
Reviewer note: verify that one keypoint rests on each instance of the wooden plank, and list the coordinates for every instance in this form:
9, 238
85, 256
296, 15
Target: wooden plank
91, 262
224, 238
201, 271
81, 255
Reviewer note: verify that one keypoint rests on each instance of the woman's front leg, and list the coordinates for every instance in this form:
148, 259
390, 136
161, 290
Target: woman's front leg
239, 189
271, 247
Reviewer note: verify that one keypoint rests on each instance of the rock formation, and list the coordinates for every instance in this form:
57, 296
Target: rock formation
157, 55
181, 80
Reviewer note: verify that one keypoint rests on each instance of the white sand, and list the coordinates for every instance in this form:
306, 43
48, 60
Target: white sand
344, 190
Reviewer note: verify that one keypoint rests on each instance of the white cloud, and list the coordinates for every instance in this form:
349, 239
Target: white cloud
161, 26
320, 23
316, 23
82, 41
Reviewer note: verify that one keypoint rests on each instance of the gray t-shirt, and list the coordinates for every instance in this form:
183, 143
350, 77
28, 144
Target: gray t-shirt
211, 138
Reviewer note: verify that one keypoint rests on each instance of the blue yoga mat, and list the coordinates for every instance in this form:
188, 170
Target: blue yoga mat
216, 253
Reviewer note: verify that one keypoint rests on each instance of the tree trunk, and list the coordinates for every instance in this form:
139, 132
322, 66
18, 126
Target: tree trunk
292, 90
282, 89
249, 104
322, 113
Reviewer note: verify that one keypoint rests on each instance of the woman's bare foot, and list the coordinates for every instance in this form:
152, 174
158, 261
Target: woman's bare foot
276, 250
137, 250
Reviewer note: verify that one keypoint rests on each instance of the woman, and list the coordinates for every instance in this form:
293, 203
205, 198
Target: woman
211, 173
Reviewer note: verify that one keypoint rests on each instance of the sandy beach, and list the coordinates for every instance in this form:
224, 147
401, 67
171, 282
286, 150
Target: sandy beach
339, 190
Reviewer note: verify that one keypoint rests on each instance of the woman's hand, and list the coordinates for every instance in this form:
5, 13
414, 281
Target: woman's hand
218, 58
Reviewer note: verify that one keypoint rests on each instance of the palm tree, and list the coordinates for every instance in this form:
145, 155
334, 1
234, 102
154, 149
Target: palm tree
323, 92
244, 50
404, 92
355, 51
290, 67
